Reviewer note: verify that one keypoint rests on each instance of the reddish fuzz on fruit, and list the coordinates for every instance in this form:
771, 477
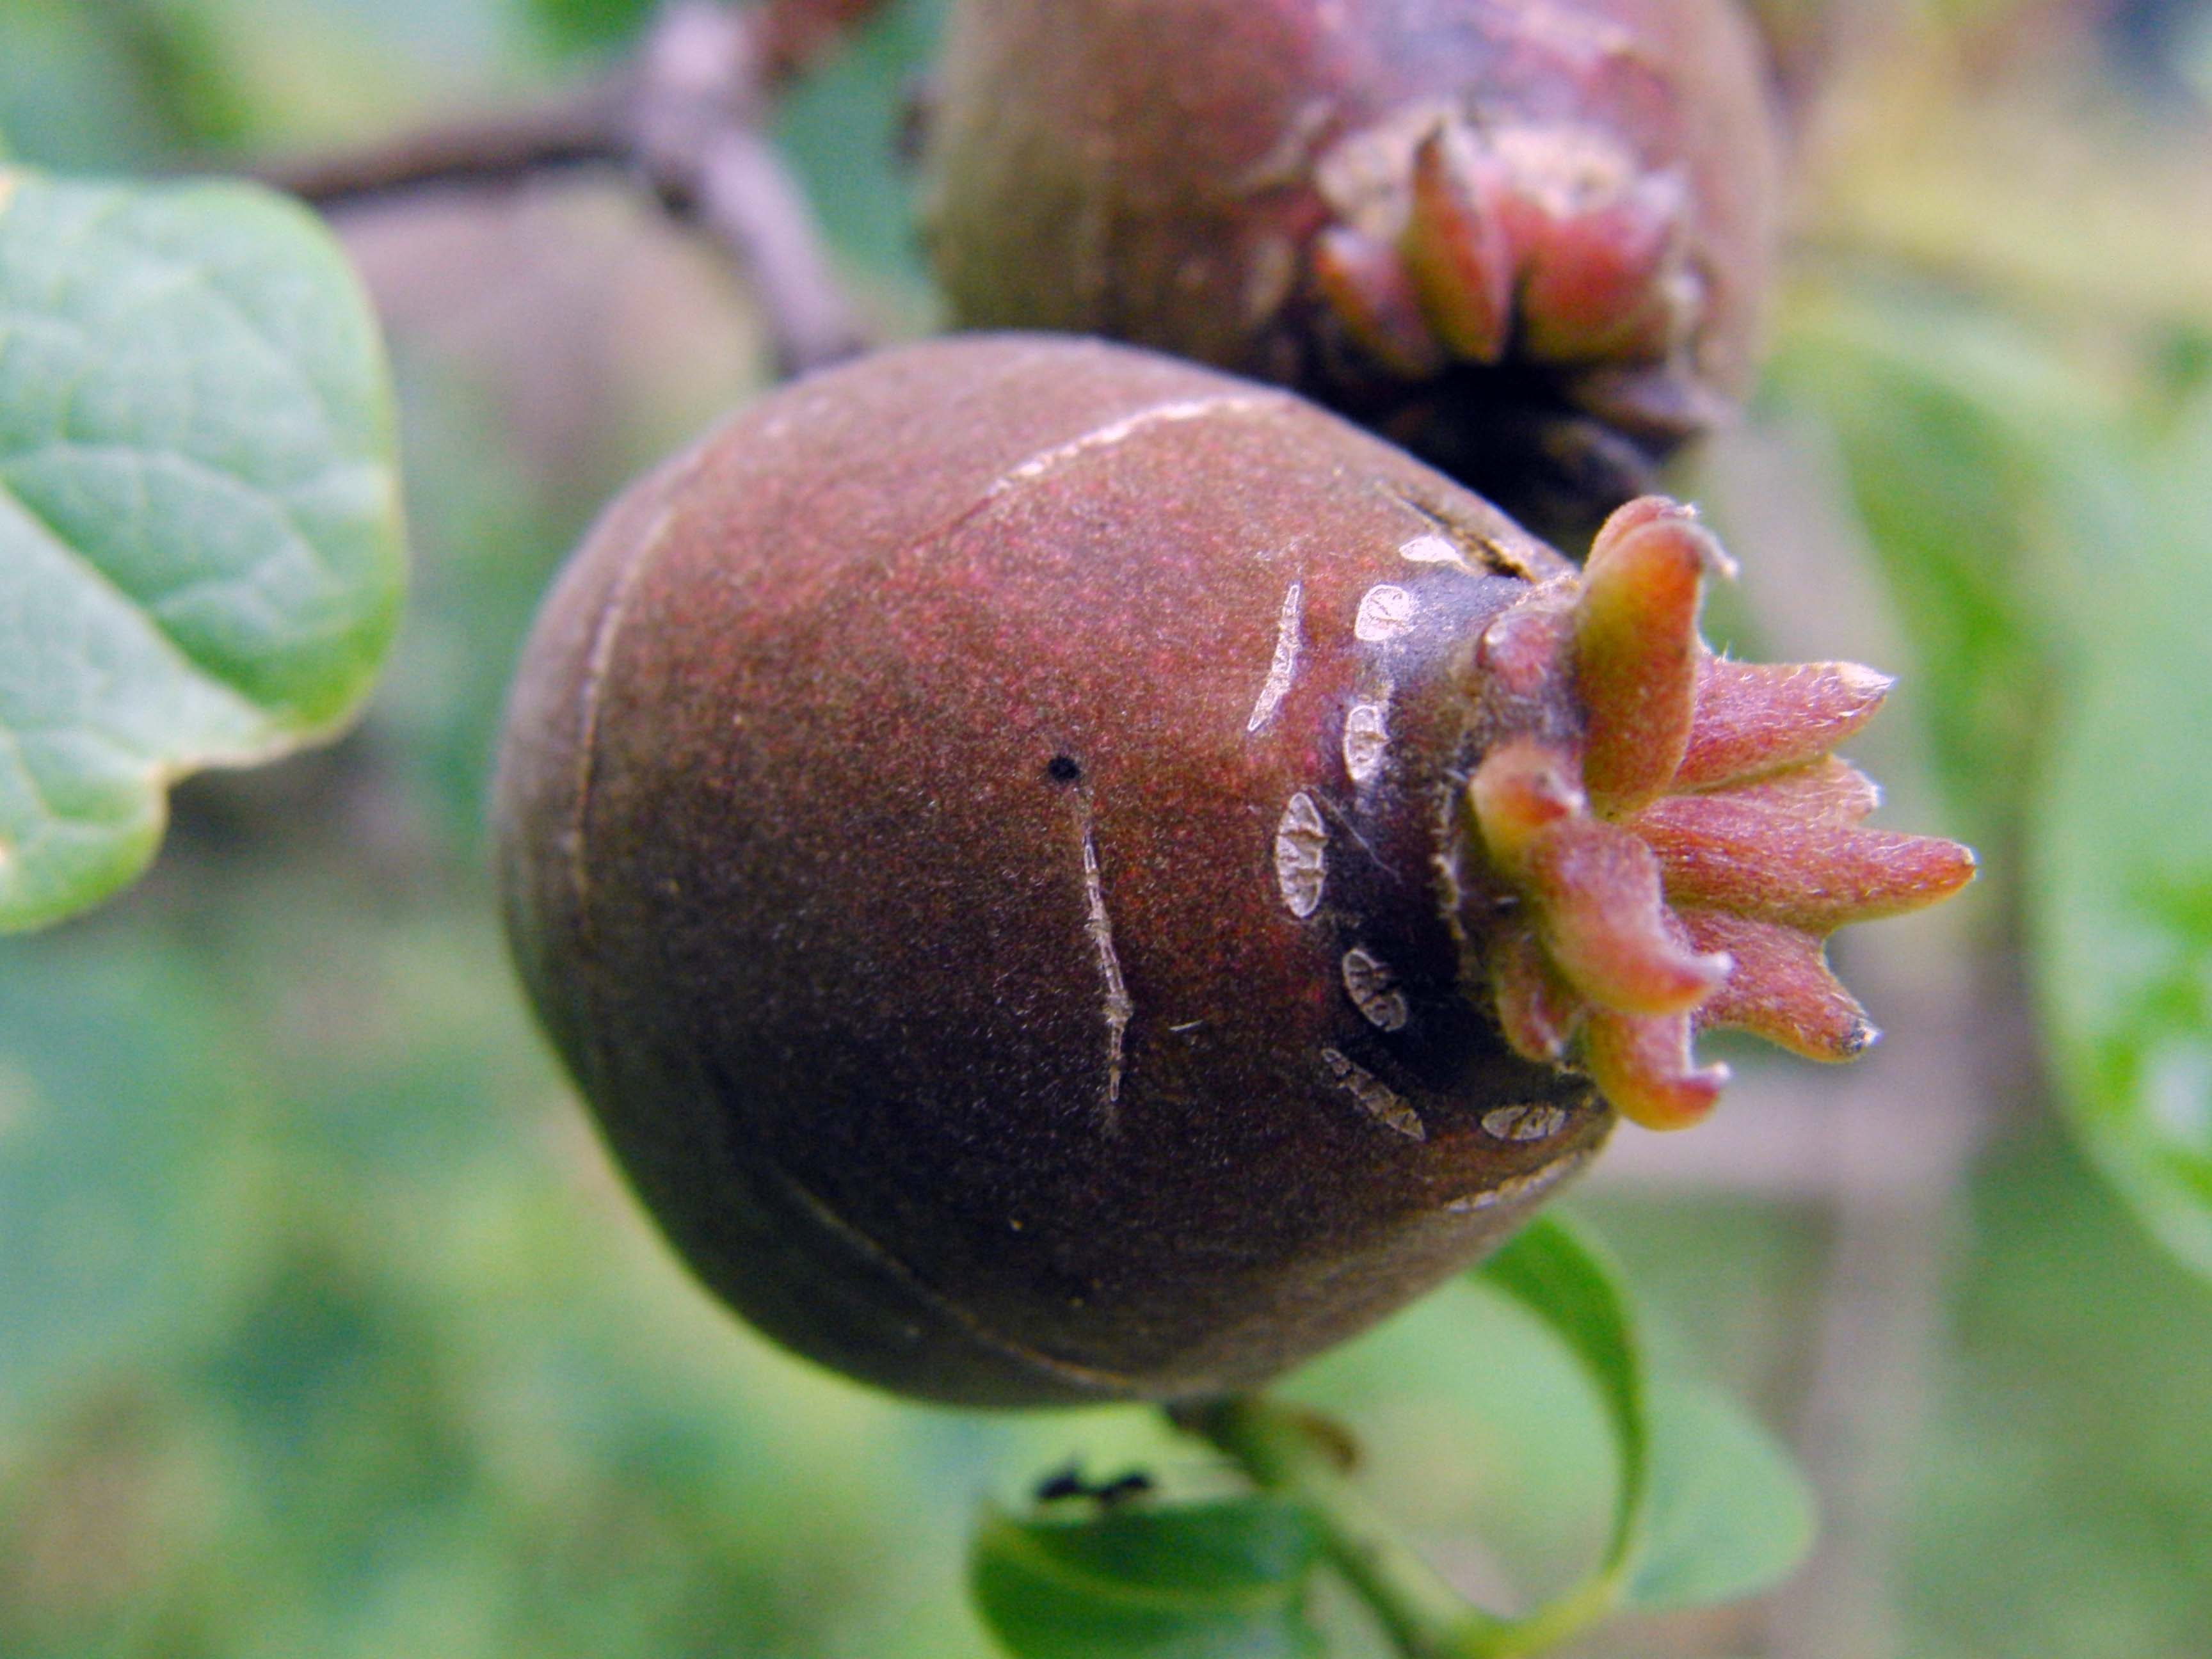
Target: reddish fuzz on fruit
1068, 875
1529, 240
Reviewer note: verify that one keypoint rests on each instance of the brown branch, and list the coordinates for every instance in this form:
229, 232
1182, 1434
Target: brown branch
591, 125
688, 117
748, 202
696, 133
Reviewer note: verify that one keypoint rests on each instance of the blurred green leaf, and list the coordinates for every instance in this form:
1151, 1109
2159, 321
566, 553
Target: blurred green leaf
1224, 1580
69, 91
1707, 1508
1729, 1516
200, 541
2053, 554
1975, 459
2064, 1478
1566, 1281
2121, 903
841, 127
589, 24
115, 84
115, 1156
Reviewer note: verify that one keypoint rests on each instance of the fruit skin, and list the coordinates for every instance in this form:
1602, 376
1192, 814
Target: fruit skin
1529, 241
854, 744
1068, 876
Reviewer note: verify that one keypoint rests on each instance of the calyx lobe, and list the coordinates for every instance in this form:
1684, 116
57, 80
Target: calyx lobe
1669, 839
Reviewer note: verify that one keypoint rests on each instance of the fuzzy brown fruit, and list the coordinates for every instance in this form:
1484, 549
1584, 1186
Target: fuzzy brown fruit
1068, 875
1527, 240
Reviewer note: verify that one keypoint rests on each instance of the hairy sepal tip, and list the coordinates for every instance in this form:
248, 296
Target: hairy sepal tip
1681, 867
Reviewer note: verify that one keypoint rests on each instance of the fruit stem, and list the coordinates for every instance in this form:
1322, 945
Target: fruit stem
1425, 1617
1283, 1450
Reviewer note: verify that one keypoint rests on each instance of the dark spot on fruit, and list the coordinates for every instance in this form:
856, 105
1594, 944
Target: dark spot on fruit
1064, 769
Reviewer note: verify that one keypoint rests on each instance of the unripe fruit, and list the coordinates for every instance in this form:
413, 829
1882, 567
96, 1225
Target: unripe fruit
1066, 876
1529, 241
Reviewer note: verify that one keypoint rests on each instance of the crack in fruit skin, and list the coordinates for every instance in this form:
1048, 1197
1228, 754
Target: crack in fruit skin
793, 875
1531, 243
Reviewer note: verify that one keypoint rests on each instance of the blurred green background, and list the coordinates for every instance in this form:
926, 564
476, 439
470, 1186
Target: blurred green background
326, 1329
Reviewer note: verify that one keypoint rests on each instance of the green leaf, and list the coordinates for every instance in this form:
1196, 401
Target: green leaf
2121, 875
1223, 1580
1728, 1514
200, 546
1567, 1281
1707, 1508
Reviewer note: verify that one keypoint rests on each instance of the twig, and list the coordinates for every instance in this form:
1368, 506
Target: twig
688, 117
696, 132
588, 126
1425, 1618
1281, 1451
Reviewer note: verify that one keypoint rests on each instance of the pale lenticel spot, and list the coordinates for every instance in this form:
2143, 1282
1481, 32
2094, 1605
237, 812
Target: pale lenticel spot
1301, 855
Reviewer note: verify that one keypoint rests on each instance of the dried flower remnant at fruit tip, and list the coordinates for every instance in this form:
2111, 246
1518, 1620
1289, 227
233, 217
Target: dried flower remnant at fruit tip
1549, 241
1678, 863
